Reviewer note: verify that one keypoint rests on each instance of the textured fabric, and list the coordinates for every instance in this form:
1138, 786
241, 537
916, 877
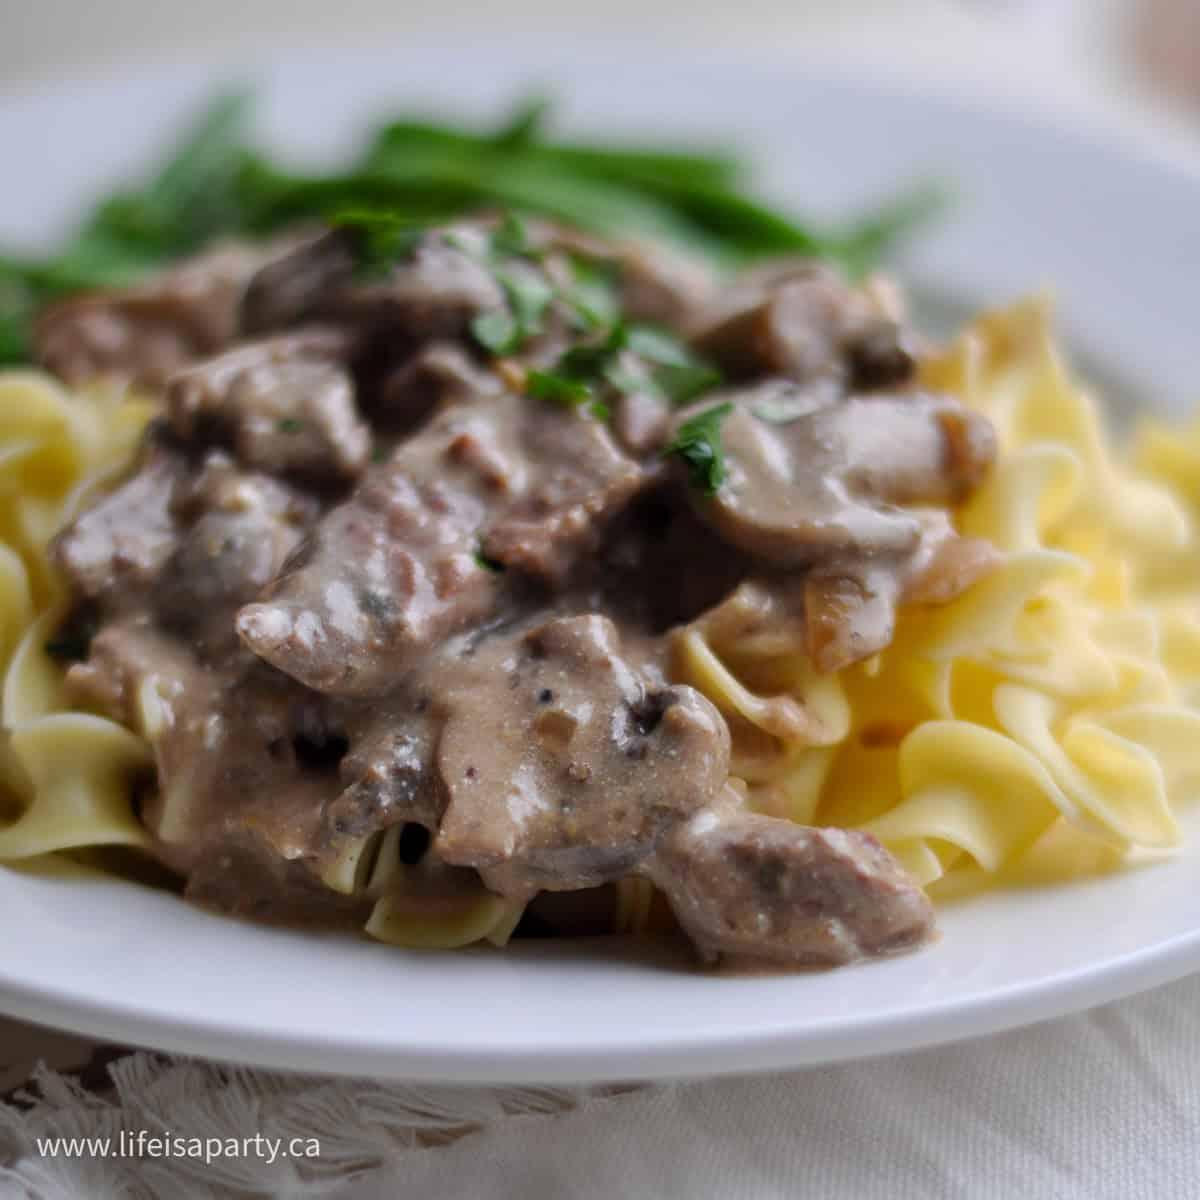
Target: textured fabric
1101, 1106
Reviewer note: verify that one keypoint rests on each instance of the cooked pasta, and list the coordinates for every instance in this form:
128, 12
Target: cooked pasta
68, 775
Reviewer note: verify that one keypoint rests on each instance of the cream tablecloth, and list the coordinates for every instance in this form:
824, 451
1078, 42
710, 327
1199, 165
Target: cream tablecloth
1100, 1106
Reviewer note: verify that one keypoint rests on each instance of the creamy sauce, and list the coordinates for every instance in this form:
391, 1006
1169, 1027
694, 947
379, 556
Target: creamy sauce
359, 582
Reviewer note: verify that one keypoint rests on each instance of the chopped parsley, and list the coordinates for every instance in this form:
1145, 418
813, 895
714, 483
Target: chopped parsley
685, 382
698, 443
560, 389
591, 298
381, 238
380, 454
658, 346
488, 564
677, 372
567, 392
290, 425
590, 302
511, 239
667, 367
528, 294
511, 259
496, 331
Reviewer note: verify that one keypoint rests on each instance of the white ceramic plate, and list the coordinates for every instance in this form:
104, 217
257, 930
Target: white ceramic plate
1114, 227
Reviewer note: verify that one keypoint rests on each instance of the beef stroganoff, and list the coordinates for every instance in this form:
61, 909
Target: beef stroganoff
472, 578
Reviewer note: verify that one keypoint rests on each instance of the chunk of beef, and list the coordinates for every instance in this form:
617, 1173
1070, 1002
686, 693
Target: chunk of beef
384, 578
433, 292
660, 565
803, 320
237, 529
146, 332
396, 569
122, 656
642, 421
240, 875
575, 480
827, 483
252, 755
289, 290
564, 764
663, 287
757, 887
393, 571
437, 375
115, 548
285, 403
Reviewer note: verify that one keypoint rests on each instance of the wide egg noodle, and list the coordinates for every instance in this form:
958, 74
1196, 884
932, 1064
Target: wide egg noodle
464, 918
66, 775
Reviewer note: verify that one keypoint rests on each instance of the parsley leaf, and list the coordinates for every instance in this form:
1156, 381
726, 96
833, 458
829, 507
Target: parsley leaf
567, 392
526, 290
511, 238
658, 346
591, 298
488, 564
496, 331
683, 383
591, 358
678, 373
529, 295
290, 425
698, 443
558, 388
381, 238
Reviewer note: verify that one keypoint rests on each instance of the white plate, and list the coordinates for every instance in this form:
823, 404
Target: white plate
1115, 229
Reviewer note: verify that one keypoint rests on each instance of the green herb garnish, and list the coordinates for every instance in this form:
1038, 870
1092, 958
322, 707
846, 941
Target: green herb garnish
511, 238
488, 564
588, 367
558, 389
698, 443
496, 331
382, 238
526, 290
678, 373
592, 296
529, 295
290, 425
658, 346
683, 383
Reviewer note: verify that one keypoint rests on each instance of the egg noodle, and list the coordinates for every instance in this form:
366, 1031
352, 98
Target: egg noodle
1039, 727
